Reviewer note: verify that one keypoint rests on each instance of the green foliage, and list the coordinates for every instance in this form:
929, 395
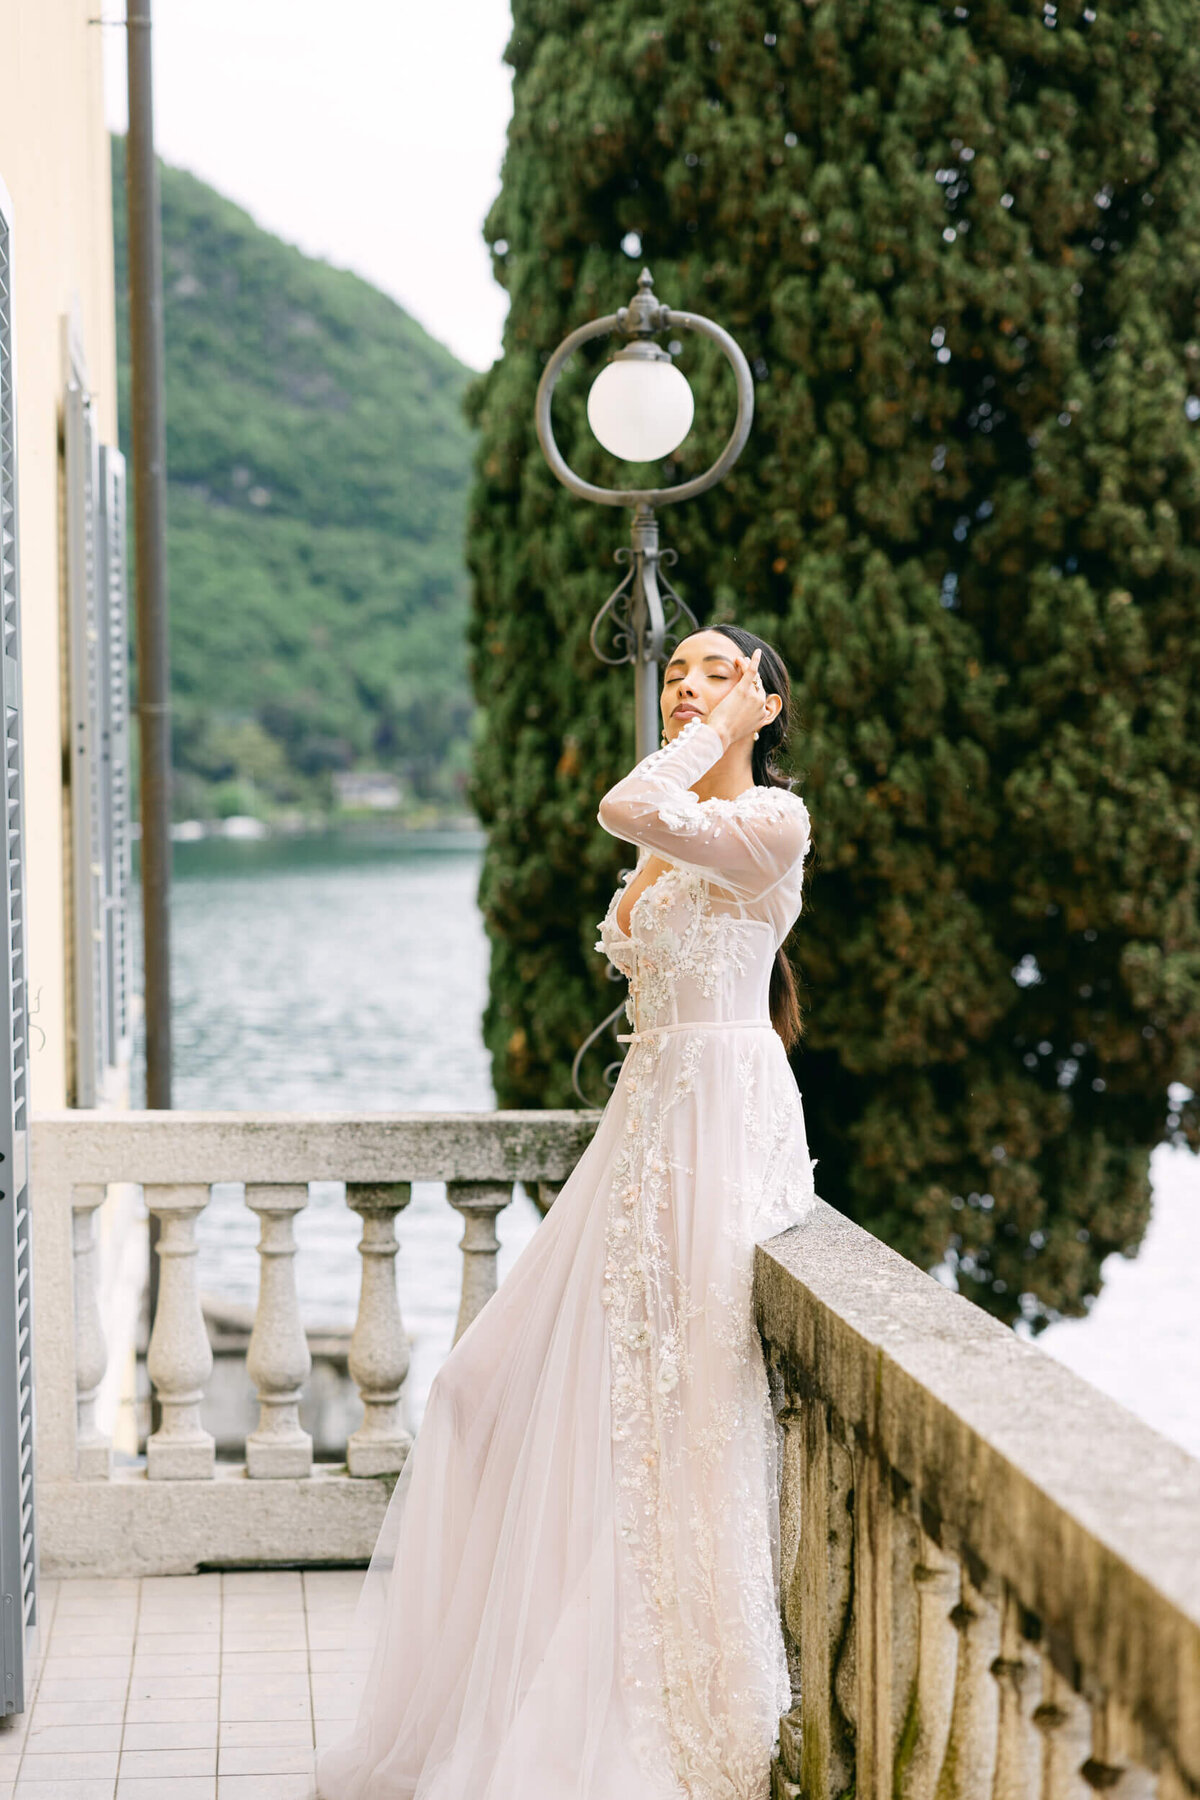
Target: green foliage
319, 463
961, 247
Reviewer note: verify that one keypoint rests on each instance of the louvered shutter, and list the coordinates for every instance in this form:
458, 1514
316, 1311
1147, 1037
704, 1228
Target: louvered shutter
116, 808
89, 753
18, 1562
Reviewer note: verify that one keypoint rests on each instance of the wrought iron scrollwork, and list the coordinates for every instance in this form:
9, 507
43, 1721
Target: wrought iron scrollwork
611, 1070
644, 582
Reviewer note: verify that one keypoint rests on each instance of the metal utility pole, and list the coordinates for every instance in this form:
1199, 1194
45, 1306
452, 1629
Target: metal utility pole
148, 384
150, 521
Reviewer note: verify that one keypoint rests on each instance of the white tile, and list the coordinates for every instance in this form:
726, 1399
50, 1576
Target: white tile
106, 1587
291, 1628
170, 1624
150, 1787
272, 1706
159, 1613
265, 1622
265, 1606
70, 1645
264, 1662
155, 1586
254, 1733
339, 1662
86, 1668
177, 1643
264, 1787
236, 1682
94, 1789
103, 1622
335, 1706
93, 1635
201, 1760
69, 1765
268, 1759
173, 1687
338, 1684
82, 1691
70, 1712
184, 1734
169, 1712
149, 1662
261, 1581
49, 1739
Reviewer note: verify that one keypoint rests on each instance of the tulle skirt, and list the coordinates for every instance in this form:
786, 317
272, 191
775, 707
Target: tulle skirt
574, 1596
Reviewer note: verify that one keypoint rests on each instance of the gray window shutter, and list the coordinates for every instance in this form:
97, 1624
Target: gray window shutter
18, 1561
115, 799
89, 753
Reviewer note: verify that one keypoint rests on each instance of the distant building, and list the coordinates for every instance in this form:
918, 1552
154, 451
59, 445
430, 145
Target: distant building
367, 790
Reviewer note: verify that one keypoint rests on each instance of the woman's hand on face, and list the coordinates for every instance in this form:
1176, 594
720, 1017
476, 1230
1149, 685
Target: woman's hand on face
745, 708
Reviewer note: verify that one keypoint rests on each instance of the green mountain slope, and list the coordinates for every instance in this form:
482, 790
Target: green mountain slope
319, 463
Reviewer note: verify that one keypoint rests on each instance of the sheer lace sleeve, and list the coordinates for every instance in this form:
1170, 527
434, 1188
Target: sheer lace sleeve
747, 845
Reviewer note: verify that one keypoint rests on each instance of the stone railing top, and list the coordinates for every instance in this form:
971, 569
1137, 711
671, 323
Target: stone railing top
1089, 1515
291, 1147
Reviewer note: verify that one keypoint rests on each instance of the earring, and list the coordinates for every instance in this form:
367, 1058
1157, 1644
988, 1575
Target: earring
756, 737
664, 735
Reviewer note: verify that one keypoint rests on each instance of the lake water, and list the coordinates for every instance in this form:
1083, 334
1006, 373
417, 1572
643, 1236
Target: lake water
339, 973
347, 973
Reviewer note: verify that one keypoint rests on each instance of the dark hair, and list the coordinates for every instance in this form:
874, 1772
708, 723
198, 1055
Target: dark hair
784, 1000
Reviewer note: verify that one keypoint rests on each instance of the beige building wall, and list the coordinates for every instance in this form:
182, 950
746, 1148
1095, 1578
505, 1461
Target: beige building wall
54, 161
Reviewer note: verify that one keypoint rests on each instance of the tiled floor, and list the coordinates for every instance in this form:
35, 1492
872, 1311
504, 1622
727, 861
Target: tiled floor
199, 1687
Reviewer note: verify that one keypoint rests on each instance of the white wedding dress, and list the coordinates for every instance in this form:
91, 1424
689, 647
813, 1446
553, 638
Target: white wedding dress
579, 1590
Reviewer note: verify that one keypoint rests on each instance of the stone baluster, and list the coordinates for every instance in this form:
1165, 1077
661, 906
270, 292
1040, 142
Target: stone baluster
543, 1194
1065, 1721
825, 1563
921, 1751
874, 1550
1114, 1767
789, 1419
278, 1360
1018, 1673
969, 1767
179, 1360
93, 1449
378, 1349
479, 1202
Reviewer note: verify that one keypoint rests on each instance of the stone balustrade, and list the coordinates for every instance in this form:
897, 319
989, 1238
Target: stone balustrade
184, 1509
990, 1572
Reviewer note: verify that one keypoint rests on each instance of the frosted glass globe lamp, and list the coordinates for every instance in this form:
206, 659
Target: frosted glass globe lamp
640, 406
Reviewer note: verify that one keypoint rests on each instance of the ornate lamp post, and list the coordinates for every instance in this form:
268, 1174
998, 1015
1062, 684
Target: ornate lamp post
640, 408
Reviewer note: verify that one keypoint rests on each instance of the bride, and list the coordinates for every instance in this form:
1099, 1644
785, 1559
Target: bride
579, 1585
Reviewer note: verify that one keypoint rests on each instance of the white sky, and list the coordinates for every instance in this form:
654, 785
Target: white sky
369, 132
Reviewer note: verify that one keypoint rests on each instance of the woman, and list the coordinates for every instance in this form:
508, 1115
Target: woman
583, 1604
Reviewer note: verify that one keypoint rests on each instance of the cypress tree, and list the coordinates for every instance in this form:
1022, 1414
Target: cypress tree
961, 248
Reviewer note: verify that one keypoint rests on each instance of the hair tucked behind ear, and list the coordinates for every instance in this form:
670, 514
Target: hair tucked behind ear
784, 999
